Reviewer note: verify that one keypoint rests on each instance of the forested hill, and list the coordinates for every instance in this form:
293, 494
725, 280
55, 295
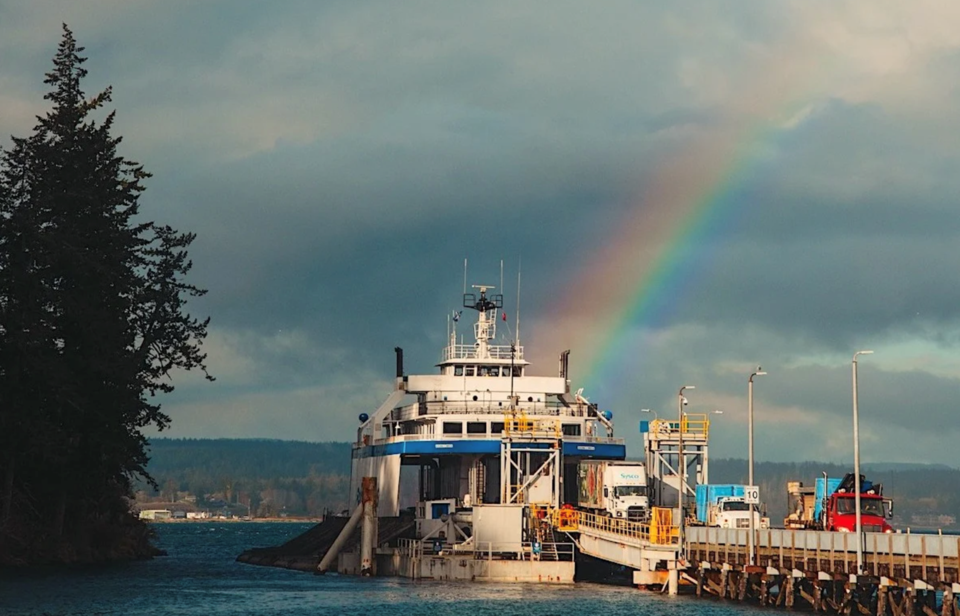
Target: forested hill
248, 458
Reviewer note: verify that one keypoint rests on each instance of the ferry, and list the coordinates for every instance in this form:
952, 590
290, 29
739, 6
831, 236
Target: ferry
485, 445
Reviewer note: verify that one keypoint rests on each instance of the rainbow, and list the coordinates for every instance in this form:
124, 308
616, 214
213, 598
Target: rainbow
631, 286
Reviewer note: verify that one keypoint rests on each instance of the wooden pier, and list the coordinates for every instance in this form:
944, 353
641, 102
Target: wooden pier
903, 574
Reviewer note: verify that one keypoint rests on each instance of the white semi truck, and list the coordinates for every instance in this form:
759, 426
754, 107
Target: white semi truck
725, 506
615, 489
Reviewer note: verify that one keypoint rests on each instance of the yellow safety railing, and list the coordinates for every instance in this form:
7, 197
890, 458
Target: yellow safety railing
521, 424
694, 425
565, 519
660, 530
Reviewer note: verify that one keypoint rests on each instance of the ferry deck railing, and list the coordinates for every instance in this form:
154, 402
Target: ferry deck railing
400, 438
484, 407
469, 351
487, 550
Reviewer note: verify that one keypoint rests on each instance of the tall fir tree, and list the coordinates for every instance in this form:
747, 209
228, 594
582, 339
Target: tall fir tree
93, 320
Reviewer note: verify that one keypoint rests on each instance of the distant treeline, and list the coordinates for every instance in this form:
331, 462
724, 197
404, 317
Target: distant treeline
259, 477
270, 476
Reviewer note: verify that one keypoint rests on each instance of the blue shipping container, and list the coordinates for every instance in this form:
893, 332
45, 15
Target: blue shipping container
709, 494
820, 495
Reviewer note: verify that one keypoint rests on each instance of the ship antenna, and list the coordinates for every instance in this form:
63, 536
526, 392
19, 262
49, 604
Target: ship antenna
517, 331
513, 352
464, 275
501, 275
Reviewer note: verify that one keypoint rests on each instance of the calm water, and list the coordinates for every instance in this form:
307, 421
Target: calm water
199, 576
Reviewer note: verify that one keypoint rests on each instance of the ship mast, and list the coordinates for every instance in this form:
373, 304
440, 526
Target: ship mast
485, 329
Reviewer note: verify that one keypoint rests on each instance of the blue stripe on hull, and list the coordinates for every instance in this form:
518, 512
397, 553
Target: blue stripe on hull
429, 447
607, 451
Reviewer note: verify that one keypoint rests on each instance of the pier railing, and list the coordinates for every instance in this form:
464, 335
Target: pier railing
917, 556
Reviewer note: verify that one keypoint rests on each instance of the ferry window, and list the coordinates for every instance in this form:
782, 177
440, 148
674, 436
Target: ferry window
476, 427
494, 370
452, 428
571, 429
469, 370
516, 371
496, 427
483, 371
458, 371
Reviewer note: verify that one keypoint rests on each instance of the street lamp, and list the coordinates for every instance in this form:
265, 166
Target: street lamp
680, 458
758, 372
856, 463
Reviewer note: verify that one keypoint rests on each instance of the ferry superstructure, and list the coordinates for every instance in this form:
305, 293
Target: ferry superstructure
485, 438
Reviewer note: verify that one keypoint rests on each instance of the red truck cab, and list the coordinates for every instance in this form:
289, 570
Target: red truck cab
842, 513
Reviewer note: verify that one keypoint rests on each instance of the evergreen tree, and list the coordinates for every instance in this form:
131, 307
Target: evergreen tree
92, 322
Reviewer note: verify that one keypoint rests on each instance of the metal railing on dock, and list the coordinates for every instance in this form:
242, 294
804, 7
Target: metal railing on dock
659, 530
893, 555
695, 426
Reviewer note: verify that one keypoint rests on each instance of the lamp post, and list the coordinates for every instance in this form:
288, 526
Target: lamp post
758, 372
856, 464
680, 458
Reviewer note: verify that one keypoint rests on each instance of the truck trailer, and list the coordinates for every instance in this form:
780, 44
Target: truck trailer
614, 489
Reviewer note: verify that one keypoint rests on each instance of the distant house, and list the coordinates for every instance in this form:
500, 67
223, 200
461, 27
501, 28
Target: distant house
198, 515
155, 514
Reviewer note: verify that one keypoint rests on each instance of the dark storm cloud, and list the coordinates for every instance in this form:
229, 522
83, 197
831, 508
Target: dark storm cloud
339, 161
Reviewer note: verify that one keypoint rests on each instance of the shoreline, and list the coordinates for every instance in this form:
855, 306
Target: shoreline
256, 520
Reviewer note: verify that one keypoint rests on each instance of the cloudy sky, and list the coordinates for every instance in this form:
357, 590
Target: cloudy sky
692, 188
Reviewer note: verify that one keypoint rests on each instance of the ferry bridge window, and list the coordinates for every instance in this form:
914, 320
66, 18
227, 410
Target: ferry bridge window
496, 427
571, 429
458, 371
483, 371
516, 371
452, 428
494, 370
469, 370
476, 427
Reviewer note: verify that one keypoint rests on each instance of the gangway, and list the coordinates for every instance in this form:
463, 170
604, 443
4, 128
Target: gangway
651, 548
